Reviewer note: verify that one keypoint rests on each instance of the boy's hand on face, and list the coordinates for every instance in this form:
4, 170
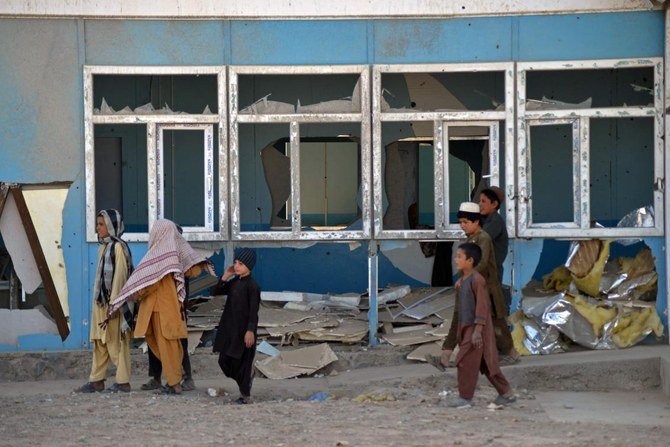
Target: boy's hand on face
230, 271
249, 339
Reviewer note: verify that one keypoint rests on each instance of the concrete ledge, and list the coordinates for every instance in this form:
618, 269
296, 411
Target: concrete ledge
34, 366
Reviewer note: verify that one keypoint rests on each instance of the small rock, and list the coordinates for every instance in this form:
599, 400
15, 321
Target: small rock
342, 443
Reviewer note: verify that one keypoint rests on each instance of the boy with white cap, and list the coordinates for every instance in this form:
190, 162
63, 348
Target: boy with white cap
469, 219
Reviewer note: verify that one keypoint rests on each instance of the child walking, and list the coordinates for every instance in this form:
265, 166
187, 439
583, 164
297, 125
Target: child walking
112, 341
236, 336
469, 219
159, 281
475, 332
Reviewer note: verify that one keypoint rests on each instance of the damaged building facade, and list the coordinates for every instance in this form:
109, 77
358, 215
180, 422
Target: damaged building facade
337, 140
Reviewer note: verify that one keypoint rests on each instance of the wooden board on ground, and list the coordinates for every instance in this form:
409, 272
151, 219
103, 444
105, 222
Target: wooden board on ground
304, 326
349, 331
297, 362
410, 338
420, 353
213, 305
273, 317
429, 307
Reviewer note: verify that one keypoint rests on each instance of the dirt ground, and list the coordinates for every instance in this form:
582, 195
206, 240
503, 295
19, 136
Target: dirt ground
48, 413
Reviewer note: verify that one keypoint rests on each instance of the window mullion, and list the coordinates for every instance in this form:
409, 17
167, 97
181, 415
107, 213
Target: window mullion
154, 173
582, 190
441, 173
296, 220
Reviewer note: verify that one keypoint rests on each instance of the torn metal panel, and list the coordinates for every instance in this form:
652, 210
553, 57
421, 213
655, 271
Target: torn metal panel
46, 211
430, 306
21, 238
348, 331
18, 322
18, 245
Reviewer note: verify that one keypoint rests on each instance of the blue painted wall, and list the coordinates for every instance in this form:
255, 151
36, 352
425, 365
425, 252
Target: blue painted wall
41, 122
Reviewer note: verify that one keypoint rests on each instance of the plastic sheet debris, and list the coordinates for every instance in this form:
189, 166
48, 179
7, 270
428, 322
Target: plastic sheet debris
361, 398
266, 348
320, 397
603, 306
639, 218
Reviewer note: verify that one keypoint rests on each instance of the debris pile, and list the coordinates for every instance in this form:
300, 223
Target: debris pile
592, 301
406, 318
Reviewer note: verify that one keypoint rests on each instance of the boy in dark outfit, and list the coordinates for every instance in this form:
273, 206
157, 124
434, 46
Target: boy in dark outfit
236, 335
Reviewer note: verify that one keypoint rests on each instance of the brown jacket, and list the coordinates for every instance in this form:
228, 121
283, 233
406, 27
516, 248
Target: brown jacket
162, 297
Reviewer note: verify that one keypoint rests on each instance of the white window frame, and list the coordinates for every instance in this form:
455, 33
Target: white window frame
295, 120
581, 225
208, 173
154, 123
441, 123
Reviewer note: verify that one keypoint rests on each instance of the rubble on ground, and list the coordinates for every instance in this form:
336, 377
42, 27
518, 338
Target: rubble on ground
291, 319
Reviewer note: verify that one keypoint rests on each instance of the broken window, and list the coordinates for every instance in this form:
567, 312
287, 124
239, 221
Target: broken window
590, 148
188, 193
154, 94
300, 153
330, 176
121, 172
437, 129
154, 134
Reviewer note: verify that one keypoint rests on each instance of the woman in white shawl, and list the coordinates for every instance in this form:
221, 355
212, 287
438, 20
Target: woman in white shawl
110, 340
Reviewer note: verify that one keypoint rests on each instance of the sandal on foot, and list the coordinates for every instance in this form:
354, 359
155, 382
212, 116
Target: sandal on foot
459, 403
167, 389
502, 400
119, 388
91, 387
188, 385
152, 384
243, 401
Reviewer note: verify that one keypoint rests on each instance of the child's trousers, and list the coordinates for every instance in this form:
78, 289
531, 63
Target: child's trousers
468, 373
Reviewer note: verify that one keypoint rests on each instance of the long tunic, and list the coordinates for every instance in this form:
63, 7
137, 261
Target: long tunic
240, 315
162, 297
472, 300
495, 227
487, 269
99, 313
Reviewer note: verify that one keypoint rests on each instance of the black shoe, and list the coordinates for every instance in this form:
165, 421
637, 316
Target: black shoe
118, 388
91, 387
152, 384
167, 389
243, 401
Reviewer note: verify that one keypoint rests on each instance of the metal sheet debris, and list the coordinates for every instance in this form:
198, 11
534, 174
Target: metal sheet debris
297, 362
410, 338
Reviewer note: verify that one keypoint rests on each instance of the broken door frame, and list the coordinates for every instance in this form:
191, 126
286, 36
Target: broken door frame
443, 230
16, 190
526, 118
294, 120
208, 173
152, 122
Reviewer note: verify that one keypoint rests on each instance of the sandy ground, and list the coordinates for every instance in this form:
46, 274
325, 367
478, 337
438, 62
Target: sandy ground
48, 413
